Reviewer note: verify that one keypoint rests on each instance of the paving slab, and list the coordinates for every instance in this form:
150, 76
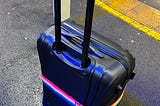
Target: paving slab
152, 3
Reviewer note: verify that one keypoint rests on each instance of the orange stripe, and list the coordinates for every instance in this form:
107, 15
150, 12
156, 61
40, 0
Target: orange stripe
119, 99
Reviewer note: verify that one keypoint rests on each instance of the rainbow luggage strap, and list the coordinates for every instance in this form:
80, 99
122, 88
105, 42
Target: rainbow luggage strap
67, 98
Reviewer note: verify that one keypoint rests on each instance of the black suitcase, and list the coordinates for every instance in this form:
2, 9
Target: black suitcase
79, 69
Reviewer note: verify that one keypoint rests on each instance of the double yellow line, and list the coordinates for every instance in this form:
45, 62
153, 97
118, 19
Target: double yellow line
134, 15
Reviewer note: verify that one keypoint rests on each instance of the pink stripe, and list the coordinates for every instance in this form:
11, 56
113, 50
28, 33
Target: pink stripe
60, 91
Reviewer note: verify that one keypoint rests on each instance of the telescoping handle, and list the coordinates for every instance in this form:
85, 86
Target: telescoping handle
87, 32
57, 11
87, 29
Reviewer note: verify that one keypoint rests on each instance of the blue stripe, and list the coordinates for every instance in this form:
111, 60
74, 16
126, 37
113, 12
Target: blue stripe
111, 51
100, 69
73, 30
49, 39
105, 49
58, 94
72, 60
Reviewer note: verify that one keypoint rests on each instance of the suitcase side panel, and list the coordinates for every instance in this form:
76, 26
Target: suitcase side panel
111, 85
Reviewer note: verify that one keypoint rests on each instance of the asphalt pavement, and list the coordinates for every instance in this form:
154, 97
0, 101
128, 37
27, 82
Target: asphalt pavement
21, 22
152, 3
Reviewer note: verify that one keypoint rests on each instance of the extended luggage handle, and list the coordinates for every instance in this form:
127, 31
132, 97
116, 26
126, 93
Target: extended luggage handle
57, 11
87, 29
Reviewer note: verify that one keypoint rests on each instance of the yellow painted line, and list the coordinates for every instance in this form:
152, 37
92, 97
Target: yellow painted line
132, 12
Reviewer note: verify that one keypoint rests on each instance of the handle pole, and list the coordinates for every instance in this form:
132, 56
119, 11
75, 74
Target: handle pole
87, 32
57, 10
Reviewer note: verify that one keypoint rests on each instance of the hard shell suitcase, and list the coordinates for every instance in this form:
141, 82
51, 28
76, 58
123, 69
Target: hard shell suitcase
80, 68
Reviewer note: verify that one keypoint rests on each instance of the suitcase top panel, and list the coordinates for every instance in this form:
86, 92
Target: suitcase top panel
99, 45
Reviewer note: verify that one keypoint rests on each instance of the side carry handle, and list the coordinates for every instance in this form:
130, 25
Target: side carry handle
87, 29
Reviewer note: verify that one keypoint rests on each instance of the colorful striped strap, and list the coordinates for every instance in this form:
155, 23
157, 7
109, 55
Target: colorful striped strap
70, 100
59, 92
